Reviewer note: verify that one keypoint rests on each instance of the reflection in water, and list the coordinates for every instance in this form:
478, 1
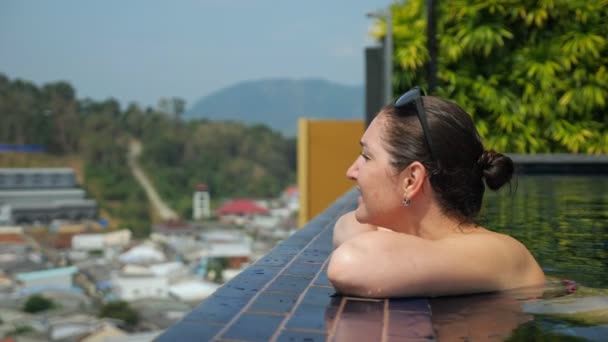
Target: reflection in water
563, 220
480, 317
554, 312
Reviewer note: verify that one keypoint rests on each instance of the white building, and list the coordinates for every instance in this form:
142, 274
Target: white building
90, 242
194, 290
226, 244
136, 286
142, 254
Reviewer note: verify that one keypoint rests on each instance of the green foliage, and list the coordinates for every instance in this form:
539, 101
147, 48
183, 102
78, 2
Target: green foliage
233, 159
533, 74
20, 330
37, 303
121, 196
120, 310
215, 269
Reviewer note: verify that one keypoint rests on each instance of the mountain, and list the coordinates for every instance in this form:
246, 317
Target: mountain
279, 103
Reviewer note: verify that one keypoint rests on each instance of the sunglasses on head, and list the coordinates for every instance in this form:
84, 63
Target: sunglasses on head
414, 96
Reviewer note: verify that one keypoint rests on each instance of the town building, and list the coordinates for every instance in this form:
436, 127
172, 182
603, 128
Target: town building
240, 211
57, 279
41, 195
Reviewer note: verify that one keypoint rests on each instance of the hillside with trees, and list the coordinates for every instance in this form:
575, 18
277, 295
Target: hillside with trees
231, 158
532, 73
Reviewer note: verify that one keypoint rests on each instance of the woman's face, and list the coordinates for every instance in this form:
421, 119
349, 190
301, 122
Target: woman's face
380, 200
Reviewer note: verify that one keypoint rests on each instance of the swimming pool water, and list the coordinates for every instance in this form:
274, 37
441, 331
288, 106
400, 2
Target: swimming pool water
563, 220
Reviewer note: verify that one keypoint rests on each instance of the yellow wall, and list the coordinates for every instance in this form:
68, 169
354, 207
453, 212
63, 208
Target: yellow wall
326, 148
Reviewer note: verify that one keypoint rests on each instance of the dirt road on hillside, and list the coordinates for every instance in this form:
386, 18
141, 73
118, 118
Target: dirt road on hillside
161, 207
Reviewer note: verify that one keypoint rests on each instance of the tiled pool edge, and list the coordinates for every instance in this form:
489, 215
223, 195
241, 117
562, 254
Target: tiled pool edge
286, 296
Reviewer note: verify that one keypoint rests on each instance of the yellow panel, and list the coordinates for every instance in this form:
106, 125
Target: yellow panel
326, 148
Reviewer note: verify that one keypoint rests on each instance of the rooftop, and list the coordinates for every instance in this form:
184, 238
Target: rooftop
241, 206
47, 273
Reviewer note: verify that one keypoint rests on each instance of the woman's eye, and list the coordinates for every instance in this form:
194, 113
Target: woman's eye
364, 156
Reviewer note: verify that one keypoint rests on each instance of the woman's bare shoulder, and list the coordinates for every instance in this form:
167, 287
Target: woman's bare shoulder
512, 260
402, 264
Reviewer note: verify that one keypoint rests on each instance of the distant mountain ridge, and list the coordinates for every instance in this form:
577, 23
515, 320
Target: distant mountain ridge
279, 103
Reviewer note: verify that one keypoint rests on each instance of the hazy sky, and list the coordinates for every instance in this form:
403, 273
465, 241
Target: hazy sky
141, 50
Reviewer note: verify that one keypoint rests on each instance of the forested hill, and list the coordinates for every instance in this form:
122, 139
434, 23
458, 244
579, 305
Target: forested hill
232, 158
280, 102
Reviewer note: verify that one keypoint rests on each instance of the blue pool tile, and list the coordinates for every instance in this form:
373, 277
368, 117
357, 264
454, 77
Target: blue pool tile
322, 296
322, 279
300, 336
217, 309
286, 283
299, 269
275, 302
257, 273
324, 245
274, 259
312, 317
239, 289
253, 327
189, 331
312, 255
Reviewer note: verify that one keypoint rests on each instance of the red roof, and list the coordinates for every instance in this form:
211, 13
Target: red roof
12, 239
241, 207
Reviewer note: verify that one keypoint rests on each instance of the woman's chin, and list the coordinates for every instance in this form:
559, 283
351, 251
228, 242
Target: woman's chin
360, 215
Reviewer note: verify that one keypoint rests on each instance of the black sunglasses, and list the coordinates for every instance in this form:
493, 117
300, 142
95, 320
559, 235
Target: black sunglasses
414, 96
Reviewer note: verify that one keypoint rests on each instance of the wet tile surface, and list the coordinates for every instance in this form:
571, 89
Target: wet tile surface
286, 296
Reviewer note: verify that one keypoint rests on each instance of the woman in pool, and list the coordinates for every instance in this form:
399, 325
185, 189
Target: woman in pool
421, 176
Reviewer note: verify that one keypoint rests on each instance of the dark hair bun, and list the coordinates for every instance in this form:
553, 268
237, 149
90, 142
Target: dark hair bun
496, 167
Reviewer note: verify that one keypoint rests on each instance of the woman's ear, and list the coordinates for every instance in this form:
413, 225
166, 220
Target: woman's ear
412, 179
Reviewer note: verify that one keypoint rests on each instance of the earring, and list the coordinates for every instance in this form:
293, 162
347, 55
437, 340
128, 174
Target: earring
406, 202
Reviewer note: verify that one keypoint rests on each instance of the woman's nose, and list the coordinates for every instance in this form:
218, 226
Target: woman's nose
352, 171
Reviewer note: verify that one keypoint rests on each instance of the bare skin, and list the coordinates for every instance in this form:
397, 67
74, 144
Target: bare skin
385, 249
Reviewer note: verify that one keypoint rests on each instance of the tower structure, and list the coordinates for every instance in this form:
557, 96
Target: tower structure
200, 202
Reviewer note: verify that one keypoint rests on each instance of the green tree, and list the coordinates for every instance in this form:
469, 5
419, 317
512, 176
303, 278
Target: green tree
533, 74
120, 310
37, 303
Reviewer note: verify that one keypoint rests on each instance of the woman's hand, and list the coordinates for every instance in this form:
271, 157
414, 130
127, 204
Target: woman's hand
347, 227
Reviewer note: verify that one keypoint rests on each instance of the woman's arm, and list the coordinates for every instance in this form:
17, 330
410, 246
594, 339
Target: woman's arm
388, 264
347, 227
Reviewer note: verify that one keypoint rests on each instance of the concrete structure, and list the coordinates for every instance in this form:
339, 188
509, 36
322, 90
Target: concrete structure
78, 326
234, 245
30, 195
192, 290
201, 203
90, 242
37, 178
5, 214
136, 286
175, 228
52, 279
142, 254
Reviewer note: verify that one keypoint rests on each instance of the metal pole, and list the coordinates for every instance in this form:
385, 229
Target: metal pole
388, 58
